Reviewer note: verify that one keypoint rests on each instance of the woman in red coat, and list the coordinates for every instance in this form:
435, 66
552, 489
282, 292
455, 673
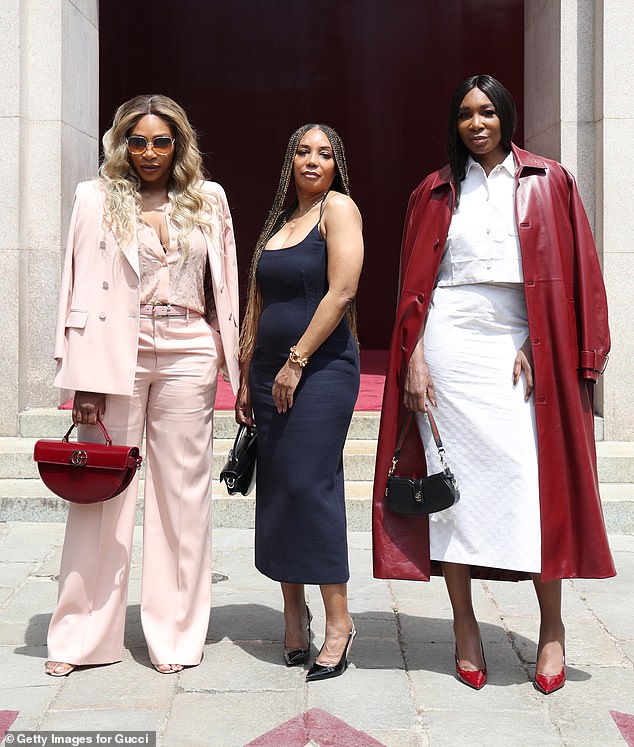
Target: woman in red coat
502, 327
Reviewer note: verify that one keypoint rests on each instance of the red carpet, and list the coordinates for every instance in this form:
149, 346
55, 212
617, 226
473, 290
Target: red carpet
625, 722
373, 365
315, 727
6, 719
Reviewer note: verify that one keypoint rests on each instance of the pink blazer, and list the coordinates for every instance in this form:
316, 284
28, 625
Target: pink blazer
98, 316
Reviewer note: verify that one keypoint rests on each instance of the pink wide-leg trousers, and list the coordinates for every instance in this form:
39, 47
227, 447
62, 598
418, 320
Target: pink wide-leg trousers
174, 393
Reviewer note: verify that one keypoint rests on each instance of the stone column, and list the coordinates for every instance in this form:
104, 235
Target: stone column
614, 115
577, 110
9, 209
542, 77
49, 127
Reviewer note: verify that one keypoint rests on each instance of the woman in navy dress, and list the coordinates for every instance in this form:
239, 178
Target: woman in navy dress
300, 380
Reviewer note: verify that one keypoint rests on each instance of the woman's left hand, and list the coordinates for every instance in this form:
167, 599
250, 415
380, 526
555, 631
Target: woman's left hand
285, 385
524, 363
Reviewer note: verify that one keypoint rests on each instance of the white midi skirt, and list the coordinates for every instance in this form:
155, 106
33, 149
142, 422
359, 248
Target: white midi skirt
472, 335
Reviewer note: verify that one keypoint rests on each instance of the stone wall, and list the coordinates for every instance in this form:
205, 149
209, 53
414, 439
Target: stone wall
578, 74
49, 129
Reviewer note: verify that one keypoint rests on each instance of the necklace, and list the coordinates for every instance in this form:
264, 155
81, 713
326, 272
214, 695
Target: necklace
292, 223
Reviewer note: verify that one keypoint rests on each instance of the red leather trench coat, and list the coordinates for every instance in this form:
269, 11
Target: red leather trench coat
568, 327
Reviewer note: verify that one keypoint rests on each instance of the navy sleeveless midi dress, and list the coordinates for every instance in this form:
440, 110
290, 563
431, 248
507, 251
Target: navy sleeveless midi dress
300, 516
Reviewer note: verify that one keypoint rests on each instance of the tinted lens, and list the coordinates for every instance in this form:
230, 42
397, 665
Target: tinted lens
162, 145
137, 144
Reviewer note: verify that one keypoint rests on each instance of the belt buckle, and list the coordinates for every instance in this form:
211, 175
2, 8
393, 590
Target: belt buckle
166, 306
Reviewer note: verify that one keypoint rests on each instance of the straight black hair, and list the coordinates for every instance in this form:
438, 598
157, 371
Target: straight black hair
501, 99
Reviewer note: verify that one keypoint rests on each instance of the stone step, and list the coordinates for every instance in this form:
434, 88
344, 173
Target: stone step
50, 422
618, 507
41, 422
30, 500
16, 458
615, 459
34, 488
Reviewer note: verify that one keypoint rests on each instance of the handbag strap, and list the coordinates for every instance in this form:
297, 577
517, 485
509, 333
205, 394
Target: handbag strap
99, 423
434, 432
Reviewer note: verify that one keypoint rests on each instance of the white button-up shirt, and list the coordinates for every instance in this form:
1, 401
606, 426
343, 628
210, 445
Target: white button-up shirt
482, 243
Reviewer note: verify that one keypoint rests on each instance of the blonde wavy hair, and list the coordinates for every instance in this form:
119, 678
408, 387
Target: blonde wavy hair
191, 206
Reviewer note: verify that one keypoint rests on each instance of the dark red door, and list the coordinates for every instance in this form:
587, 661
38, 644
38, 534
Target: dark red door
379, 71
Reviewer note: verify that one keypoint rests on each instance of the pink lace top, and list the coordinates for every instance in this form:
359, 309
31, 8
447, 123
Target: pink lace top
164, 277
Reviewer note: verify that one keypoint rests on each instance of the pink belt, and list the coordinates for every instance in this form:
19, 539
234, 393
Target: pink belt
166, 309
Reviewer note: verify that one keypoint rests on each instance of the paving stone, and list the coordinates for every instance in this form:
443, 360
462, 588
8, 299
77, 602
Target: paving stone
27, 689
14, 549
50, 566
20, 636
35, 594
366, 698
474, 725
5, 595
124, 685
235, 618
133, 637
620, 542
587, 642
105, 719
371, 654
228, 719
399, 737
375, 625
26, 665
245, 665
420, 630
24, 724
236, 538
628, 649
400, 687
581, 709
12, 575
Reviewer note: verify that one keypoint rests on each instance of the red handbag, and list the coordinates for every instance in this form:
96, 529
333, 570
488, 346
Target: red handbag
85, 472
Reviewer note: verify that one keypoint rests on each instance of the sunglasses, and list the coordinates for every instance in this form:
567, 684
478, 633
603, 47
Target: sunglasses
161, 145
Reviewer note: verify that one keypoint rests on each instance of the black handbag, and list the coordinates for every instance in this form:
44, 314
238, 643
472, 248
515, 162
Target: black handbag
239, 471
413, 496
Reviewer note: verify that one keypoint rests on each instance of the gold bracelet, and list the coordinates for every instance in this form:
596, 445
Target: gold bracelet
295, 357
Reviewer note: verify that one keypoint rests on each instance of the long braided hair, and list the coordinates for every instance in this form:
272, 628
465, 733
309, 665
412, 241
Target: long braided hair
278, 216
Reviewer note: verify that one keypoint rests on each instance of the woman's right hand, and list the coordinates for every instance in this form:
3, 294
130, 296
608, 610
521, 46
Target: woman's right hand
244, 411
418, 383
88, 407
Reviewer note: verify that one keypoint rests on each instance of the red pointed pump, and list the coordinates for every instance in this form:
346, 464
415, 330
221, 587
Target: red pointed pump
550, 683
475, 678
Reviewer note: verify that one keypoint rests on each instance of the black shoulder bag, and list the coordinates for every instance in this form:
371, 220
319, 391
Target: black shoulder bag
413, 496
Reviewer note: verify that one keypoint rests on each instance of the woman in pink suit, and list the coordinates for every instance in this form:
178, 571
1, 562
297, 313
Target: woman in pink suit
148, 315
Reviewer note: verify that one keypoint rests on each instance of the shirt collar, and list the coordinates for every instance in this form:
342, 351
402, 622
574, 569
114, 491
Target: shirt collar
508, 164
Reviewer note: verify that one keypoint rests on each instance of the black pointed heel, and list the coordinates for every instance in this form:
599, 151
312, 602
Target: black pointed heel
327, 671
298, 656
